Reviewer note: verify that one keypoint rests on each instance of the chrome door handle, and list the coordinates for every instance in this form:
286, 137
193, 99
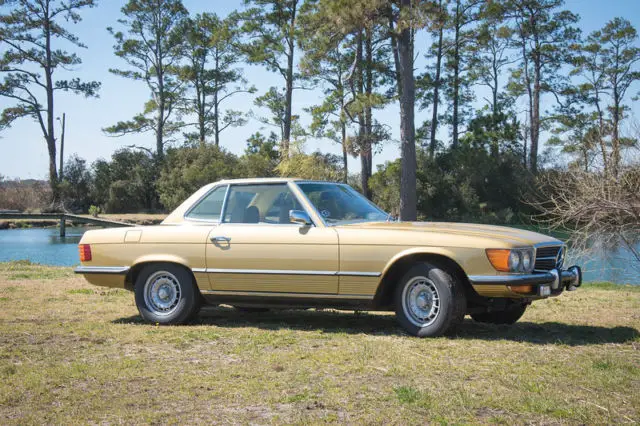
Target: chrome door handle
220, 240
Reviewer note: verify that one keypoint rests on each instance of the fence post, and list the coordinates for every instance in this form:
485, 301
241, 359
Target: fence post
63, 227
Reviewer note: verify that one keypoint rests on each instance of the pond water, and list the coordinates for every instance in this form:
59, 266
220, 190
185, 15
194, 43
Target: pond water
46, 246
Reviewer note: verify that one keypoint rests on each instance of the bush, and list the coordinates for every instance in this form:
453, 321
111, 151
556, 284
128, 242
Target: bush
188, 168
94, 210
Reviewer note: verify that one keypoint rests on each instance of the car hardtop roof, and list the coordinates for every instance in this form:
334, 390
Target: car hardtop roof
267, 180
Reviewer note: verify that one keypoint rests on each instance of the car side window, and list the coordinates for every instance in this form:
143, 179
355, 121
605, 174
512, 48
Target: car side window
210, 207
260, 204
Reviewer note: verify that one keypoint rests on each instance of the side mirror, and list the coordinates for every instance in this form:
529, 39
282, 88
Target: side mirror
300, 217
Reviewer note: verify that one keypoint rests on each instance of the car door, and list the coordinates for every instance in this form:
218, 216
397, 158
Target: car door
255, 249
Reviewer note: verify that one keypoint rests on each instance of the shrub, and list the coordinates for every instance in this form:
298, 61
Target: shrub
94, 210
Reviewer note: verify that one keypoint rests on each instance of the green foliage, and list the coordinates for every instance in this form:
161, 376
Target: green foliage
211, 74
311, 166
75, 187
151, 45
124, 184
188, 168
261, 156
94, 210
481, 180
385, 186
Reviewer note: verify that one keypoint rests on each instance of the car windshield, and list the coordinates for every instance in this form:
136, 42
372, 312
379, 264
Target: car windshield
341, 204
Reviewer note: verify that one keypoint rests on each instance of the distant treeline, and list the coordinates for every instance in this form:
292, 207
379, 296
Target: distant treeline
466, 184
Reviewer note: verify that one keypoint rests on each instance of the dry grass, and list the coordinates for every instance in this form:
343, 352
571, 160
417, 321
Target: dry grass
72, 353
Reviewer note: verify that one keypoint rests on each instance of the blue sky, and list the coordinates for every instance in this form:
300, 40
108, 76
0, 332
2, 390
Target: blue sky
23, 151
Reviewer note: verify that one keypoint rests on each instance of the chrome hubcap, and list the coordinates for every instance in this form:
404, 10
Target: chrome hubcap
162, 293
421, 301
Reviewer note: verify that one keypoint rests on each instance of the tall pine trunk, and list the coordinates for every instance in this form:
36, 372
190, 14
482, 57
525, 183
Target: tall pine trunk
367, 153
535, 120
408, 202
289, 84
456, 78
50, 133
436, 94
362, 126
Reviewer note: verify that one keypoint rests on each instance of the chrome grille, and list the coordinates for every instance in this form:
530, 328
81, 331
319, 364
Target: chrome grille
547, 258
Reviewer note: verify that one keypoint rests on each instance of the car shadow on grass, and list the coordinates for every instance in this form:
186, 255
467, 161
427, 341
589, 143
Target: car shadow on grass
331, 321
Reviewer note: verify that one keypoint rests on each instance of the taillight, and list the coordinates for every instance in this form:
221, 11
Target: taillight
85, 252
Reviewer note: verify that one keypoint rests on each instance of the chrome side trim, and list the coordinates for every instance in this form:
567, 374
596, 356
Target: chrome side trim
286, 272
283, 294
117, 270
268, 271
199, 270
357, 274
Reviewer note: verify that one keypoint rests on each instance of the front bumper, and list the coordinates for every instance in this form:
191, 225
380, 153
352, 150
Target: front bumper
547, 283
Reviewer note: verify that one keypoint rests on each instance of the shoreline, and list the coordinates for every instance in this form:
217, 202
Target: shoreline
141, 219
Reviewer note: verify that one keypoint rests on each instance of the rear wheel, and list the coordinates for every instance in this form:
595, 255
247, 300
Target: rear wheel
166, 294
507, 316
429, 301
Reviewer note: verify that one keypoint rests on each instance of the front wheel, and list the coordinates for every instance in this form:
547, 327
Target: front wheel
166, 294
507, 316
429, 301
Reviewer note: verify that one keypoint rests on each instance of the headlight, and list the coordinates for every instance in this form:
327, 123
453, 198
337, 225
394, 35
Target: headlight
527, 260
514, 260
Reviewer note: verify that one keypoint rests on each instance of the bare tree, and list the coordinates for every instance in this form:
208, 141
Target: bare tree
593, 208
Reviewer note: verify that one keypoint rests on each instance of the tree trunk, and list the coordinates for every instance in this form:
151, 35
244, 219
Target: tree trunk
216, 111
601, 141
367, 152
407, 127
615, 137
362, 126
345, 156
289, 84
50, 135
436, 94
201, 100
394, 49
456, 78
535, 119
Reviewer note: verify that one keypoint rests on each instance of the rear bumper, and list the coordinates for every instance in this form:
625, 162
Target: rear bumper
556, 279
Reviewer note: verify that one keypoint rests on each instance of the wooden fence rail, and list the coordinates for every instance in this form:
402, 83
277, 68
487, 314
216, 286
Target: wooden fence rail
63, 218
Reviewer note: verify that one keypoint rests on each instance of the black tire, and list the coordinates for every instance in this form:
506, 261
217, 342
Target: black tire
250, 309
183, 300
430, 279
507, 316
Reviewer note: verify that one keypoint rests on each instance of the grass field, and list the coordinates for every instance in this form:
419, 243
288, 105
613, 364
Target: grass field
72, 353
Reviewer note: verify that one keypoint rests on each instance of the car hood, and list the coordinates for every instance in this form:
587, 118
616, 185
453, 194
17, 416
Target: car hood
501, 233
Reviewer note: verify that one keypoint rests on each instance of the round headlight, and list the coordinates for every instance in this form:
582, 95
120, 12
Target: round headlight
526, 260
514, 261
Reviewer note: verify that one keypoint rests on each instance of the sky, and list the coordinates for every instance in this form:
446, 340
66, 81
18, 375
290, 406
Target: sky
23, 152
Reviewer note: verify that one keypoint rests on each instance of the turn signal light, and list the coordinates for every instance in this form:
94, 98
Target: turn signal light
499, 258
522, 289
85, 252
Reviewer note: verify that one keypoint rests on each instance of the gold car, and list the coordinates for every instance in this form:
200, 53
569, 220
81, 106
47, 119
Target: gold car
291, 243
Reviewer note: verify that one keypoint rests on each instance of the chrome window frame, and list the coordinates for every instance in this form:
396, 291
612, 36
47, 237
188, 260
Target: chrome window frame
316, 209
199, 200
285, 183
